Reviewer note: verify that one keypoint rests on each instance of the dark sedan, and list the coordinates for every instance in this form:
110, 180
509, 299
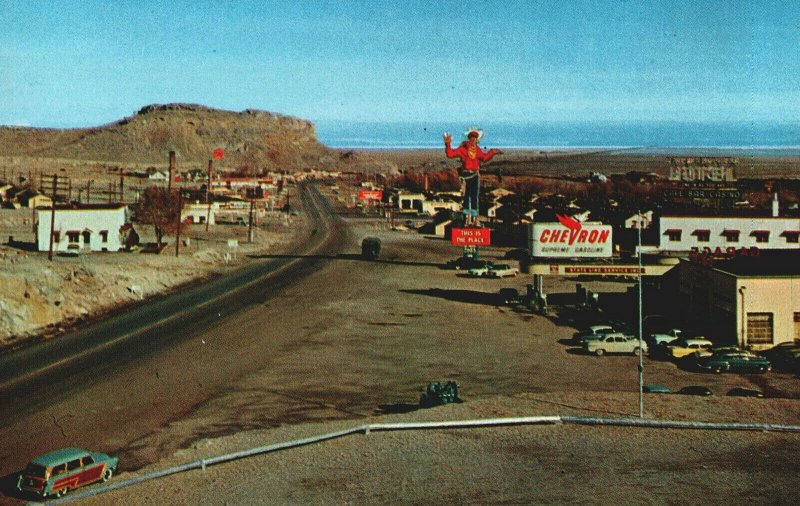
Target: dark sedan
737, 361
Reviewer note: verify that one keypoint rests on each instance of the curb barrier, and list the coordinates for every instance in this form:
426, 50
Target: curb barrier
454, 424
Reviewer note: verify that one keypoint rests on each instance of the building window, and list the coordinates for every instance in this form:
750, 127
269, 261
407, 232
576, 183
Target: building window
761, 235
792, 236
673, 234
759, 328
702, 235
731, 235
56, 236
73, 236
104, 235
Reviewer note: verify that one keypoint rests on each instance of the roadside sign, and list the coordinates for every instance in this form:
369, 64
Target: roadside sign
470, 237
219, 154
370, 195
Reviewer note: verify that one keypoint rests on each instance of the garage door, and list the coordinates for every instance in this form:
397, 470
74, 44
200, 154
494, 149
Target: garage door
759, 328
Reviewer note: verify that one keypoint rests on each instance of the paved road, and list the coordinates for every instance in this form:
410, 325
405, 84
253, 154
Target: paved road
113, 382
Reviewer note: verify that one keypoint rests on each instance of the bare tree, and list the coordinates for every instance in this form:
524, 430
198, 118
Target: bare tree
160, 208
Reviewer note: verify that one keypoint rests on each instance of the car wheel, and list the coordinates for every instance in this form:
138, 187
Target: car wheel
107, 474
637, 351
599, 352
717, 369
61, 492
762, 369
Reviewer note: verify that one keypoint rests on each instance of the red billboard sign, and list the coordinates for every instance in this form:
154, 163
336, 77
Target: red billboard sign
218, 154
470, 237
370, 195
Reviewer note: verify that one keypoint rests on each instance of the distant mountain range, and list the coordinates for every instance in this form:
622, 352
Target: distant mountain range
251, 138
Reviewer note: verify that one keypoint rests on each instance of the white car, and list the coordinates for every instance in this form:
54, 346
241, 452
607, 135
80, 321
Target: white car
477, 272
664, 337
615, 343
501, 271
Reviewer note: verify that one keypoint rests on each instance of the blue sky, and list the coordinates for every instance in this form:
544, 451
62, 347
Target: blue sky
86, 63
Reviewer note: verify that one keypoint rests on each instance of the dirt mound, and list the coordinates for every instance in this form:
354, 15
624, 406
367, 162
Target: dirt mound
251, 139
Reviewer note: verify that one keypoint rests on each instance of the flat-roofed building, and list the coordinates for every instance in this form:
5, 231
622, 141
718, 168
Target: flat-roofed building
681, 234
90, 227
749, 301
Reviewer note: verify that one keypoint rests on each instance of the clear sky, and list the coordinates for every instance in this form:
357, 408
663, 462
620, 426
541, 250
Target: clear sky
86, 62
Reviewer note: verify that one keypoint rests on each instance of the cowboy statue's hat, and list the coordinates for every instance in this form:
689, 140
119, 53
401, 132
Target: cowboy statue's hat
474, 129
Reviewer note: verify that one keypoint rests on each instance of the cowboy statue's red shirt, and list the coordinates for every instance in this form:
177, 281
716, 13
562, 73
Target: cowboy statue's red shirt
471, 156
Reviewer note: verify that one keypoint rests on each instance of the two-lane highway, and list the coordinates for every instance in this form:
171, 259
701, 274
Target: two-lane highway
121, 378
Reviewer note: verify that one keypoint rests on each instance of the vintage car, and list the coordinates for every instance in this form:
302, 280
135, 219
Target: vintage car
784, 356
466, 263
683, 347
734, 361
592, 332
615, 342
501, 271
664, 337
480, 271
58, 472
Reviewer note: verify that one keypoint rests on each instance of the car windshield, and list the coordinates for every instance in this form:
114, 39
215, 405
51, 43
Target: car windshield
36, 470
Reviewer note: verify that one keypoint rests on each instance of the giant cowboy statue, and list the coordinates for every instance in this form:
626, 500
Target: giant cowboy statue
471, 156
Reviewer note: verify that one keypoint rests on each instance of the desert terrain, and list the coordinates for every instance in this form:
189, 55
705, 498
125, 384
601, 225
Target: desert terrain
356, 342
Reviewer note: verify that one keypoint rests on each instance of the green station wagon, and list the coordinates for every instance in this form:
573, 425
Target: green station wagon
60, 471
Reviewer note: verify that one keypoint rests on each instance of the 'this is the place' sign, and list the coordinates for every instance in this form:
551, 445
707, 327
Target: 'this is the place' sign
470, 237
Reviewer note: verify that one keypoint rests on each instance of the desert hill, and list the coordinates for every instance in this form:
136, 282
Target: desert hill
252, 138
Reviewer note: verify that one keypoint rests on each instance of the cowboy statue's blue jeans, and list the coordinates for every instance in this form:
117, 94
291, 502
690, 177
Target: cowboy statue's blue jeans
471, 191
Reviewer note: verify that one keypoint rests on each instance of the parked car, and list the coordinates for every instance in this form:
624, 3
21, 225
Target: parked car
501, 271
56, 473
508, 296
591, 332
480, 271
466, 263
737, 361
615, 342
683, 347
784, 356
664, 337
695, 390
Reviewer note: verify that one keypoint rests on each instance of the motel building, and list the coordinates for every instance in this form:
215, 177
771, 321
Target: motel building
91, 227
683, 234
750, 301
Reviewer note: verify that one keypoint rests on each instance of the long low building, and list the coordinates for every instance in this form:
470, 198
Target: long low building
704, 233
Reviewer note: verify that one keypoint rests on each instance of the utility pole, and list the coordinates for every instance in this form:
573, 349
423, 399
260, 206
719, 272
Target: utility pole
208, 191
641, 354
178, 233
250, 222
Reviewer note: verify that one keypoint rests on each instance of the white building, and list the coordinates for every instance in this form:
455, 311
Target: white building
198, 213
639, 220
685, 233
92, 227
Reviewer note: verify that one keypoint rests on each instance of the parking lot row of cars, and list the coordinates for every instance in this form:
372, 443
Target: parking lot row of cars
605, 338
